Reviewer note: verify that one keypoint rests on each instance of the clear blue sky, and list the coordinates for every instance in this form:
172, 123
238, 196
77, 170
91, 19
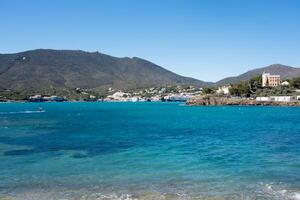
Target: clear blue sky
205, 39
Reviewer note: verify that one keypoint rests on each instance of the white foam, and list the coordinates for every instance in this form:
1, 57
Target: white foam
282, 192
68, 195
23, 112
277, 192
296, 196
39, 111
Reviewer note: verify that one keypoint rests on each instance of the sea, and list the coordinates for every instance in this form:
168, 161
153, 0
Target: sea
148, 151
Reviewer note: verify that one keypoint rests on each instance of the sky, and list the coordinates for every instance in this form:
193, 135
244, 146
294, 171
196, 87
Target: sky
204, 39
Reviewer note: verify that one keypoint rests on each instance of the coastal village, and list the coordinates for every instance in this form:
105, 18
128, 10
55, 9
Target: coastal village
153, 94
268, 88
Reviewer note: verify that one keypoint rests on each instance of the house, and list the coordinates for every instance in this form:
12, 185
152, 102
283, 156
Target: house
47, 98
92, 97
224, 89
155, 98
262, 98
285, 83
36, 98
56, 98
162, 90
281, 98
269, 80
133, 99
177, 97
118, 96
275, 98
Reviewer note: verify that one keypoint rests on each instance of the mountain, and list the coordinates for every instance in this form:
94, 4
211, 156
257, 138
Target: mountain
44, 68
286, 72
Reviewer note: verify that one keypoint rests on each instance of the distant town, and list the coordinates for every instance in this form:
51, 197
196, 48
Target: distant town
153, 94
264, 88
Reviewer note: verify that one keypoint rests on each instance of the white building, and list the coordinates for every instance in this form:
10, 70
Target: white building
36, 98
269, 80
155, 98
177, 97
54, 98
281, 98
118, 96
92, 97
134, 99
162, 90
275, 98
262, 98
223, 89
285, 83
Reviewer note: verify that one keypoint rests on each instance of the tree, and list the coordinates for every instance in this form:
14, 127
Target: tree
295, 82
207, 90
241, 89
255, 83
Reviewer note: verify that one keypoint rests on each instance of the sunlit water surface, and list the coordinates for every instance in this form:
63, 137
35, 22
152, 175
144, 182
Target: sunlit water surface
110, 151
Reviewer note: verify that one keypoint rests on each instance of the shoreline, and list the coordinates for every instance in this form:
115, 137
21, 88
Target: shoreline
221, 101
199, 101
268, 191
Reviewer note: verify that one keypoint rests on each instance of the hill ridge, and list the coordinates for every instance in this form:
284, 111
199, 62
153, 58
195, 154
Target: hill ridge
286, 72
43, 68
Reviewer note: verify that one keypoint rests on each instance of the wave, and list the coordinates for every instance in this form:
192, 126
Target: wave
23, 112
270, 191
73, 195
279, 193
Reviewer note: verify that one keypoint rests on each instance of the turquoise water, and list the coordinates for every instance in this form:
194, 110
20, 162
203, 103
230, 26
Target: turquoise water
148, 151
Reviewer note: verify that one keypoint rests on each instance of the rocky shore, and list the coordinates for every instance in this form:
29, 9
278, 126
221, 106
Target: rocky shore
214, 101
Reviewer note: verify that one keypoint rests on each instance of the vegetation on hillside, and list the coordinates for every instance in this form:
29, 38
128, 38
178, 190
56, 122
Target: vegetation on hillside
42, 69
253, 87
208, 90
286, 72
295, 82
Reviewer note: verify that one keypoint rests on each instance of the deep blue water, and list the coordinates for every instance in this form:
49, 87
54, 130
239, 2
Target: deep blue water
148, 151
